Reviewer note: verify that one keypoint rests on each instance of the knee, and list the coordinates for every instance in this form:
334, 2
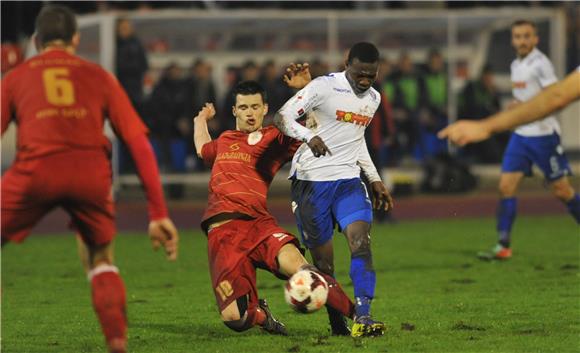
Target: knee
506, 189
236, 315
239, 325
325, 265
564, 192
360, 245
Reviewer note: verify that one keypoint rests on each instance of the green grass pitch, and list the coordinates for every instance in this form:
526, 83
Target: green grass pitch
433, 294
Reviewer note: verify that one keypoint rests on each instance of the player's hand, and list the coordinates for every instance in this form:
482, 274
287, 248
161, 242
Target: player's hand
297, 75
162, 232
465, 131
206, 113
382, 199
318, 147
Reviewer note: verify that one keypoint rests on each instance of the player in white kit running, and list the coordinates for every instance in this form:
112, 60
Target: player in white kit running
326, 185
534, 143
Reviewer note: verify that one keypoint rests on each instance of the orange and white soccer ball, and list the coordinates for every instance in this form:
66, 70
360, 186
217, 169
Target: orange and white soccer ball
306, 291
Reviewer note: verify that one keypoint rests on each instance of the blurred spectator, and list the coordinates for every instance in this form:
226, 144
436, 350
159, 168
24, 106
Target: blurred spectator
201, 86
381, 134
131, 61
171, 126
131, 65
406, 104
249, 71
278, 92
200, 90
318, 68
478, 100
433, 111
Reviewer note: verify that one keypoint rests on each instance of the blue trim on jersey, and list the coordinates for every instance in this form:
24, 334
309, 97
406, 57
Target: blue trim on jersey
544, 151
320, 205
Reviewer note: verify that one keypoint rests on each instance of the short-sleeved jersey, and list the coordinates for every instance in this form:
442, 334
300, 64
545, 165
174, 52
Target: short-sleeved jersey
243, 166
59, 102
340, 119
529, 76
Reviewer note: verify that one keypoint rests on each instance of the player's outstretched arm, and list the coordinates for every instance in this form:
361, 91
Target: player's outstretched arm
201, 134
297, 75
552, 99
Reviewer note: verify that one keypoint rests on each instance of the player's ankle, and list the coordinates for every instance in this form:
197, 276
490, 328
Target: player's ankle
117, 345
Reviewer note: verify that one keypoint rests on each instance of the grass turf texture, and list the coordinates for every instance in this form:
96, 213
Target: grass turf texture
432, 292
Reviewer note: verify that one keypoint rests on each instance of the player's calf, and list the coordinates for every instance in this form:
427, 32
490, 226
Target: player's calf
108, 295
239, 317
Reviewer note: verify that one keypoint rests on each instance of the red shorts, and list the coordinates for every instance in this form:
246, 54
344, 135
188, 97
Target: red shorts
77, 181
236, 249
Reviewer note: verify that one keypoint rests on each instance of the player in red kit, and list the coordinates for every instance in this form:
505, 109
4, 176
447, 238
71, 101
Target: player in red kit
59, 102
241, 233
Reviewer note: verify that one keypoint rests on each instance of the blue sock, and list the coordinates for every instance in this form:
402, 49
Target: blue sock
506, 214
574, 207
363, 279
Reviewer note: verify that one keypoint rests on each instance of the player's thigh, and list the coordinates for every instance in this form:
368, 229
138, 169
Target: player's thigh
21, 209
312, 207
279, 254
517, 157
232, 272
89, 202
352, 203
548, 155
93, 218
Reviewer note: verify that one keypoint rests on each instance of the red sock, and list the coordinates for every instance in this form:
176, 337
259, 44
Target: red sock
109, 304
259, 317
337, 298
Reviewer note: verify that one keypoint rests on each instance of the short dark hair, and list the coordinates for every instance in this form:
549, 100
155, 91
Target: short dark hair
365, 52
55, 22
522, 22
247, 88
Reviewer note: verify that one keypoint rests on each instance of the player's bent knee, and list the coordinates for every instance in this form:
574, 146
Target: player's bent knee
360, 245
563, 191
236, 315
325, 266
240, 325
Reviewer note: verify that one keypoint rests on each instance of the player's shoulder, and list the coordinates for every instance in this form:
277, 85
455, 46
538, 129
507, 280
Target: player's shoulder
374, 95
537, 58
327, 80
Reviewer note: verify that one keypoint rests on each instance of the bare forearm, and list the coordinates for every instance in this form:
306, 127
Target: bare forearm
548, 101
201, 134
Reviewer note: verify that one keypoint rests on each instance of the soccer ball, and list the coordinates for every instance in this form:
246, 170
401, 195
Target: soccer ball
306, 291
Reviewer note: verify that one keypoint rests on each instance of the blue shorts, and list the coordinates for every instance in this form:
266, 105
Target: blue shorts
319, 205
544, 151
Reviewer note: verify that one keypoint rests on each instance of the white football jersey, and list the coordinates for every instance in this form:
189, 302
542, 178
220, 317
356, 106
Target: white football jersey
340, 118
529, 76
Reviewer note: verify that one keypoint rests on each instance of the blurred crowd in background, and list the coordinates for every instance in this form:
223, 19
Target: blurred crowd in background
414, 94
413, 103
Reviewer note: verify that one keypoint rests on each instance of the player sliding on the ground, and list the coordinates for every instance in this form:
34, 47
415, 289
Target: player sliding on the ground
326, 187
242, 235
59, 102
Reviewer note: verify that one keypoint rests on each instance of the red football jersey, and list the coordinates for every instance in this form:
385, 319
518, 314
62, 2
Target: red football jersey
60, 102
243, 166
